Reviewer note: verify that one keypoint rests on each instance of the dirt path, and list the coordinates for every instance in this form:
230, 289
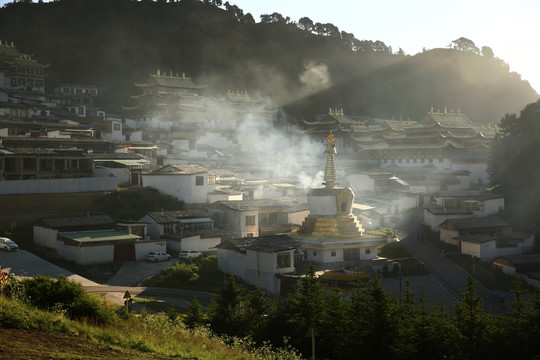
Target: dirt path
18, 344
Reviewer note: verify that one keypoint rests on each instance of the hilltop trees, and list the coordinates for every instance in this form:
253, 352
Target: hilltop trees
514, 166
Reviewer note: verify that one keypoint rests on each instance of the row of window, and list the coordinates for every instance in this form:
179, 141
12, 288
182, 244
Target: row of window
333, 252
414, 160
10, 164
265, 219
24, 81
29, 71
78, 91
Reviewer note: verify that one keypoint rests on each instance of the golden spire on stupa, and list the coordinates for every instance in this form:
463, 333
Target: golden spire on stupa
330, 176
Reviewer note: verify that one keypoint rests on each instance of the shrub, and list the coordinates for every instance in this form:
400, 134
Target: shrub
65, 295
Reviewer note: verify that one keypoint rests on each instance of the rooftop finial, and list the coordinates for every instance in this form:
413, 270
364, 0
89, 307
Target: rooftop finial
330, 176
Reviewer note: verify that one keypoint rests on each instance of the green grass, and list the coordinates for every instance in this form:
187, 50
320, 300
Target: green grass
160, 305
393, 251
153, 334
409, 265
199, 274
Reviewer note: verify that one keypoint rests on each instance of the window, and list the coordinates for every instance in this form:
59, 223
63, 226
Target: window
168, 228
45, 164
211, 179
283, 260
333, 253
116, 127
199, 180
314, 253
368, 251
250, 220
273, 218
29, 163
60, 164
249, 235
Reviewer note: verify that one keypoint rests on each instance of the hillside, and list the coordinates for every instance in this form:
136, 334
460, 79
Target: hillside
115, 43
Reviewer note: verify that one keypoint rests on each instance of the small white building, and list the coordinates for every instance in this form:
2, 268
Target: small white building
225, 194
258, 260
462, 204
98, 239
489, 225
487, 247
254, 218
176, 221
188, 183
204, 241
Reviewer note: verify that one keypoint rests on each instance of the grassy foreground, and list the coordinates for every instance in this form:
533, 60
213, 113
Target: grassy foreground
51, 334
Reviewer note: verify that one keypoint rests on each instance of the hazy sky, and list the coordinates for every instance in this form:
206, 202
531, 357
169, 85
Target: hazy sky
510, 28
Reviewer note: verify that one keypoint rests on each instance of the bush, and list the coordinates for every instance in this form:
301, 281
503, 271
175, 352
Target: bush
66, 296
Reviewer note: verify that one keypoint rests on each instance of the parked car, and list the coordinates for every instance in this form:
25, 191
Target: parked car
189, 254
7, 244
156, 256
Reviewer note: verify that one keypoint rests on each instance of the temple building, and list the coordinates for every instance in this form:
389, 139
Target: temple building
331, 233
444, 140
173, 107
21, 76
169, 100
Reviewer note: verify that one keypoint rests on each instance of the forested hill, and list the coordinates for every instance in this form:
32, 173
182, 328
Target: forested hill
304, 67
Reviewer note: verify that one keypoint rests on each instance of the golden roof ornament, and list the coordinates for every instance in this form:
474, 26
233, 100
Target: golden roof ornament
330, 175
330, 139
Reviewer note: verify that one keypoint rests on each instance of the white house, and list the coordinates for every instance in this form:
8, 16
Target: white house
487, 247
204, 241
253, 218
95, 239
489, 225
225, 194
188, 183
462, 204
175, 221
258, 260
526, 267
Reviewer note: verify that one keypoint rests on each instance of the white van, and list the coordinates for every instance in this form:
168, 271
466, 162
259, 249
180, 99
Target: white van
7, 244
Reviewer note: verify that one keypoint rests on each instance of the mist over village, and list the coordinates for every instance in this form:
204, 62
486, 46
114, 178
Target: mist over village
181, 180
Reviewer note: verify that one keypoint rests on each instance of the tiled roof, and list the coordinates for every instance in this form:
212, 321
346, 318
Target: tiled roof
523, 259
478, 222
470, 194
123, 156
475, 238
78, 221
179, 170
167, 216
174, 81
286, 204
271, 244
452, 120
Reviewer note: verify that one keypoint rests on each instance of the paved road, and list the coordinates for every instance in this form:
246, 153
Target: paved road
22, 264
451, 276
